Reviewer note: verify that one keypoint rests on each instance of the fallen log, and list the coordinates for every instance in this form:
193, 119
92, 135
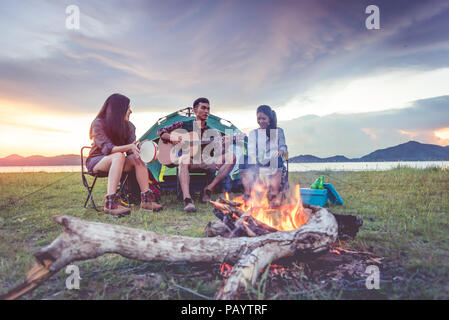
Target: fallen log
82, 240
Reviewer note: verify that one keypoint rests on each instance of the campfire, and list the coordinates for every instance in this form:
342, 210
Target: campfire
258, 216
286, 217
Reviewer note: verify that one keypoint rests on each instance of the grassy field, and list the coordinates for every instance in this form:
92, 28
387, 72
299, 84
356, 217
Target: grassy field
406, 222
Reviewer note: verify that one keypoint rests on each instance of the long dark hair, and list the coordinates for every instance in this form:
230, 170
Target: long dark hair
113, 114
271, 114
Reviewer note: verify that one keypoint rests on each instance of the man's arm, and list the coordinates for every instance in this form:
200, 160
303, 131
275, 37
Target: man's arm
164, 133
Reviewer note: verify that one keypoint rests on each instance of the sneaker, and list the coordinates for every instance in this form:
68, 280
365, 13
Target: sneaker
148, 201
112, 206
188, 205
206, 196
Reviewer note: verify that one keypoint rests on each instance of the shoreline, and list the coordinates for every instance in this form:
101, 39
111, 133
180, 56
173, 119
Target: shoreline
293, 167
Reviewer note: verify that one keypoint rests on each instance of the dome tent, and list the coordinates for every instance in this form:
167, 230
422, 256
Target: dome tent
165, 176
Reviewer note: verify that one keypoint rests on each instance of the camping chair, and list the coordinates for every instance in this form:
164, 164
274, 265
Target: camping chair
100, 174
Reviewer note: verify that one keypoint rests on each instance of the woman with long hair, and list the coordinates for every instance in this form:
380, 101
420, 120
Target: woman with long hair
266, 155
115, 150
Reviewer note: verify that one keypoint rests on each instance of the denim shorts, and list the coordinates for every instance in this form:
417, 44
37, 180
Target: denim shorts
92, 162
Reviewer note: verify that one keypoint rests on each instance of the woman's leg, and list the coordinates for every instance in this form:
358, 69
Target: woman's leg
142, 176
113, 164
148, 202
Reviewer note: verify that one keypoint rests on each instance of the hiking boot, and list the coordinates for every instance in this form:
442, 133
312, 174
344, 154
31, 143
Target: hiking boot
113, 207
188, 205
148, 201
206, 196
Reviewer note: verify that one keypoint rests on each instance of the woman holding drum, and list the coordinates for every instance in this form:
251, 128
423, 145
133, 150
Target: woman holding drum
114, 135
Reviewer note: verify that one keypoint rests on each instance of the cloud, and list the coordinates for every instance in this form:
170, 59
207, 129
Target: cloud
383, 91
357, 134
33, 127
165, 54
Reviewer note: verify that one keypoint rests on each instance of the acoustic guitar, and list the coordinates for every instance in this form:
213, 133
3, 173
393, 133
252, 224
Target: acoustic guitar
170, 152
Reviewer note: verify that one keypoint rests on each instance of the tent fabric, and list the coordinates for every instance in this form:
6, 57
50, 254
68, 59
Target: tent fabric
159, 171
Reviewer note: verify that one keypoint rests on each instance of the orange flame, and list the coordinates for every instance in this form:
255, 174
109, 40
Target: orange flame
286, 217
225, 270
276, 266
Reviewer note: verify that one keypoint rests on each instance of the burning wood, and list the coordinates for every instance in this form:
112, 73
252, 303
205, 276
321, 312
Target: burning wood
238, 223
258, 217
240, 219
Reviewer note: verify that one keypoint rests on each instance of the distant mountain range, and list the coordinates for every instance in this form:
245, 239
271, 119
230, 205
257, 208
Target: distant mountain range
62, 160
410, 151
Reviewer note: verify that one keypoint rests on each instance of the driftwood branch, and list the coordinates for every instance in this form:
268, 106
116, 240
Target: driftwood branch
82, 240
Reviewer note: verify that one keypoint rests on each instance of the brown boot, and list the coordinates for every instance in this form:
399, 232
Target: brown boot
148, 202
112, 206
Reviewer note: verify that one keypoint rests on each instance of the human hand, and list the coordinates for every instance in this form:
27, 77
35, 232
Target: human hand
135, 160
175, 139
134, 149
225, 141
281, 153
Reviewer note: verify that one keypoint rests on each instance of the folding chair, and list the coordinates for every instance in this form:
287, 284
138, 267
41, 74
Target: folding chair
100, 174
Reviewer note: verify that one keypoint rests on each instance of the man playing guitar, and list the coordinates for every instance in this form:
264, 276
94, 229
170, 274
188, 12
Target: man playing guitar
225, 163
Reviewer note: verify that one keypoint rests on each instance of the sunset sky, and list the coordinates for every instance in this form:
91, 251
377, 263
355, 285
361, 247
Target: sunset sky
337, 87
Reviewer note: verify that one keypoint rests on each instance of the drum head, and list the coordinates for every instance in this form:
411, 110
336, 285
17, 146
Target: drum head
148, 151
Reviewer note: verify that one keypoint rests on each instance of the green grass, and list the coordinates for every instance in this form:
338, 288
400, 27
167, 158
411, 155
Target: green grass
405, 213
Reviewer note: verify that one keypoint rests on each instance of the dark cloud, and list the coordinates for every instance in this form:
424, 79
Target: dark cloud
238, 53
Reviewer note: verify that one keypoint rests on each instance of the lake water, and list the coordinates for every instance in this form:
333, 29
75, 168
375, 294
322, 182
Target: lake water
365, 166
41, 169
293, 167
